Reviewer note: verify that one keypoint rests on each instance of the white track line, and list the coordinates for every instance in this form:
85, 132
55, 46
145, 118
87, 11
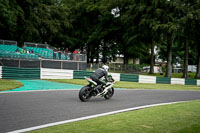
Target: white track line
89, 117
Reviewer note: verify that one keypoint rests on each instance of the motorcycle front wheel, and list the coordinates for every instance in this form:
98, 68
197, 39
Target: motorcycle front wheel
109, 94
84, 94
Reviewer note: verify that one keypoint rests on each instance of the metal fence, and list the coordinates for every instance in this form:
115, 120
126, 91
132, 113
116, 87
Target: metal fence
117, 67
36, 45
8, 42
54, 64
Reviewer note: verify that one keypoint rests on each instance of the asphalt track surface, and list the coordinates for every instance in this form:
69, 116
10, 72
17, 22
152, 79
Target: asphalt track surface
20, 110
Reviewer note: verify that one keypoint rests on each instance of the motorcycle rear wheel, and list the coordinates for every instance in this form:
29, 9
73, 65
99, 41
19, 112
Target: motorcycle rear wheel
109, 94
84, 94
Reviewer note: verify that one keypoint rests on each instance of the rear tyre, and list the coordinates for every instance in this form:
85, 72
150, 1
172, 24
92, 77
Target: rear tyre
109, 94
84, 94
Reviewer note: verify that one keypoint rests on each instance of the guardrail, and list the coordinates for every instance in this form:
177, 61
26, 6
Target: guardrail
20, 73
56, 74
48, 73
8, 42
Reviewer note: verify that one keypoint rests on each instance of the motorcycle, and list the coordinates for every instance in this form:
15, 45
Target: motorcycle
89, 91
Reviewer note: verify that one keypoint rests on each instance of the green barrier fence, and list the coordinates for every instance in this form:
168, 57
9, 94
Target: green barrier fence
20, 73
190, 82
34, 73
129, 77
81, 74
163, 80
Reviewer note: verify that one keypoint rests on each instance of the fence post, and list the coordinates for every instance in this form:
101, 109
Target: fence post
77, 65
61, 67
40, 63
19, 64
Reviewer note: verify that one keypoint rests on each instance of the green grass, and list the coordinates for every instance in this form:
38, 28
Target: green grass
174, 118
134, 85
9, 84
179, 75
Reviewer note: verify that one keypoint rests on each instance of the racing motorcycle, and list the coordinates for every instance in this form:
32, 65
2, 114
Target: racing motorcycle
89, 91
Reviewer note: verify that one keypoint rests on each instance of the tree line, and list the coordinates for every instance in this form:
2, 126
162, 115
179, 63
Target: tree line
106, 28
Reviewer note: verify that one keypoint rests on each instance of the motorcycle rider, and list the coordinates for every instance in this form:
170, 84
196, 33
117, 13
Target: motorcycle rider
98, 74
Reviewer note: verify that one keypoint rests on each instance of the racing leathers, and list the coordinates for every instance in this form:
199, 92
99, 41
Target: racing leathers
97, 75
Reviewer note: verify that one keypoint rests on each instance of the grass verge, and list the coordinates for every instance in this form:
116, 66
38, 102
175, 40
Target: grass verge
134, 85
6, 84
174, 118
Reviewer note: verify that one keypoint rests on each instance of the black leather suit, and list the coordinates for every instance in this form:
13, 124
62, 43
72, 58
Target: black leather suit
98, 74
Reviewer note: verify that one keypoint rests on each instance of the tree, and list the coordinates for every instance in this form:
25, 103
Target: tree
197, 39
168, 25
8, 18
33, 21
132, 35
187, 22
198, 62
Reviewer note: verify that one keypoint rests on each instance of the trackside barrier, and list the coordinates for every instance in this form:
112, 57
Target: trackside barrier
20, 73
177, 81
198, 82
147, 79
47, 73
190, 82
0, 72
129, 77
116, 76
163, 80
81, 74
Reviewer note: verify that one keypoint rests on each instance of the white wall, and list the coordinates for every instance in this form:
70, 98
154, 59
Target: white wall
0, 72
47, 73
147, 79
116, 76
178, 81
198, 82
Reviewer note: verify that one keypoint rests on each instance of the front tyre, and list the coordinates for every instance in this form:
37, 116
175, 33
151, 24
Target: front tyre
84, 94
109, 94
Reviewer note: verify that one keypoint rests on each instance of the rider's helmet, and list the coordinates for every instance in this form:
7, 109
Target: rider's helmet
105, 67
